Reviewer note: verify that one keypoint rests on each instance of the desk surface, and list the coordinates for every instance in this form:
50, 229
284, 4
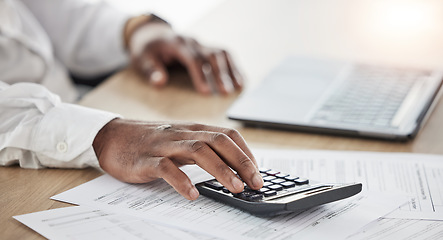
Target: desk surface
256, 51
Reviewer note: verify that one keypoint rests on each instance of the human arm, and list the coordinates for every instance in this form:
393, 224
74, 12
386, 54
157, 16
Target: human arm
153, 45
139, 152
94, 39
37, 130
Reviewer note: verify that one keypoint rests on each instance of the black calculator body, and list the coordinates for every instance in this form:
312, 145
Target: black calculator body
281, 193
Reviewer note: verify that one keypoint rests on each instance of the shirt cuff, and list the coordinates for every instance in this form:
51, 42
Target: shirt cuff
65, 134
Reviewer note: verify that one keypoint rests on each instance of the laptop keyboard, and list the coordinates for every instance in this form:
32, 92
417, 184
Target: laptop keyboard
369, 95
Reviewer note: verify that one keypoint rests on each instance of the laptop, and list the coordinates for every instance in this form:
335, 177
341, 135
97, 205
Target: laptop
338, 97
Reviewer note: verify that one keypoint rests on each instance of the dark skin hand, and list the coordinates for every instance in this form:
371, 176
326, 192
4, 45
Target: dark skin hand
155, 46
139, 152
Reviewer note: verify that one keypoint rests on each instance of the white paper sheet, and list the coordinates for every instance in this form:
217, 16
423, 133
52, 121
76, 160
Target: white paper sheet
417, 176
401, 229
82, 223
158, 202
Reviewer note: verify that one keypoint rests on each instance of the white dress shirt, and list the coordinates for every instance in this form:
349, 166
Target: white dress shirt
40, 41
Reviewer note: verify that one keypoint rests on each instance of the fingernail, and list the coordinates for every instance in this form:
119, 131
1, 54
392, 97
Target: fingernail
156, 76
257, 180
237, 184
205, 89
193, 193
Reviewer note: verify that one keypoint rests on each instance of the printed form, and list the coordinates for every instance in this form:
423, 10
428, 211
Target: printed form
395, 228
82, 223
419, 177
412, 177
158, 202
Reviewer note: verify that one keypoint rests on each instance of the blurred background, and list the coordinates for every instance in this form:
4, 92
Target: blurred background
181, 14
399, 32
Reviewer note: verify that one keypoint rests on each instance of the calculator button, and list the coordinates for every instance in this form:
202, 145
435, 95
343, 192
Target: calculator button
268, 178
247, 189
214, 185
301, 181
241, 195
275, 187
270, 193
263, 170
267, 184
272, 173
278, 180
249, 195
225, 190
291, 178
287, 184
253, 197
262, 190
282, 175
263, 175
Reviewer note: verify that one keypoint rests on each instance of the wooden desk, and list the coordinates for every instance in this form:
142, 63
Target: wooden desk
270, 32
128, 95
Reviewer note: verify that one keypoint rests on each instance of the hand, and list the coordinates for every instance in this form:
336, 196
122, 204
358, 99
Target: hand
139, 152
154, 46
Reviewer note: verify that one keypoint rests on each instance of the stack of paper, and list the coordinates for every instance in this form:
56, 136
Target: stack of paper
402, 197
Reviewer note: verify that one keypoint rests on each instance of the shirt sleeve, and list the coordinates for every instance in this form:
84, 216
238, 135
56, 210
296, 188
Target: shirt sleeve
37, 130
87, 37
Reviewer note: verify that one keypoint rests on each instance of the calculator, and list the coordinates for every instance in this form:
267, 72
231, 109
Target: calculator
281, 193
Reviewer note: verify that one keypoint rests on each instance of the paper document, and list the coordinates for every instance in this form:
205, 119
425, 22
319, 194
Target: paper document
416, 176
401, 229
82, 223
111, 209
158, 202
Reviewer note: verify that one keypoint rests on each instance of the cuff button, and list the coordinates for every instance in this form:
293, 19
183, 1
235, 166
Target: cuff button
62, 147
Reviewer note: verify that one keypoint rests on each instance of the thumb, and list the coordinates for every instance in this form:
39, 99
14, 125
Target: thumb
154, 70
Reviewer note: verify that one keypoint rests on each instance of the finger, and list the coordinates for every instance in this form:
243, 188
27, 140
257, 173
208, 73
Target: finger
236, 77
209, 77
240, 141
216, 147
190, 56
232, 133
177, 131
208, 160
220, 72
153, 70
163, 167
233, 155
